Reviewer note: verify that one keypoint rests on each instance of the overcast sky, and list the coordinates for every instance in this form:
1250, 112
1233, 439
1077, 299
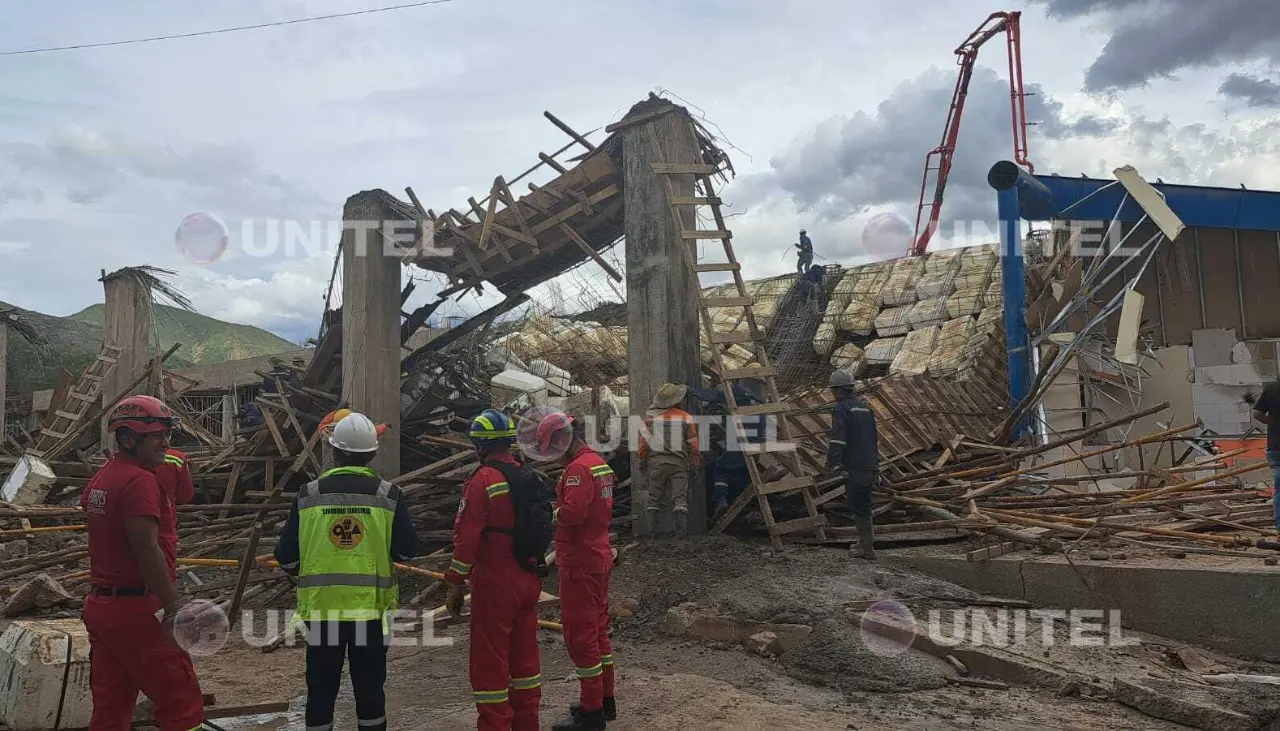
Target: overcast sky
831, 104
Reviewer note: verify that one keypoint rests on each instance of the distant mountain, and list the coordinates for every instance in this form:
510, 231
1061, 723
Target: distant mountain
75, 340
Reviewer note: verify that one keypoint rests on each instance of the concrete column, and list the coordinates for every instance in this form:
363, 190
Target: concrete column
127, 323
662, 291
371, 324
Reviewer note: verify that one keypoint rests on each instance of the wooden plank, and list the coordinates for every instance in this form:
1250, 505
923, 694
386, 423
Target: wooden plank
706, 234
780, 407
733, 374
514, 206
229, 496
569, 131
586, 248
799, 524
730, 266
682, 168
574, 210
67, 415
486, 226
729, 301
999, 549
788, 485
272, 427
551, 161
695, 200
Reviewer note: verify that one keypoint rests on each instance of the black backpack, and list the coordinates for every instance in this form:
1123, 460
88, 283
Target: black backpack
532, 496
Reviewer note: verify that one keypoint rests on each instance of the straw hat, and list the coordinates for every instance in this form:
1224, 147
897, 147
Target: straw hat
669, 395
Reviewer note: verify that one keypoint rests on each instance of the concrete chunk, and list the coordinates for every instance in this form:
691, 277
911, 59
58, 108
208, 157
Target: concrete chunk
1187, 707
42, 592
691, 620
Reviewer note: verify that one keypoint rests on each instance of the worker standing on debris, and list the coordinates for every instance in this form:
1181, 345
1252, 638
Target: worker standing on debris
133, 600
805, 256
501, 534
853, 449
1266, 409
584, 511
668, 453
326, 429
177, 489
343, 534
729, 475
278, 374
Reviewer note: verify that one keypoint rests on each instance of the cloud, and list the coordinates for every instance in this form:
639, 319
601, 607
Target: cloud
852, 167
1252, 90
1153, 39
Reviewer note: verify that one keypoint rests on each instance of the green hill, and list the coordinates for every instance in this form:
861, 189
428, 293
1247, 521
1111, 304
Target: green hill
74, 341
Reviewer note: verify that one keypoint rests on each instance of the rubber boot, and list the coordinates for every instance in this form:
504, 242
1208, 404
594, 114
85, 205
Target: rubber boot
680, 523
866, 537
582, 721
717, 511
610, 709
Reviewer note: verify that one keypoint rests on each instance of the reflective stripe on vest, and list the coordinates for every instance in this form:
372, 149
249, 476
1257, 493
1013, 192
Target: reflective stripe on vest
345, 572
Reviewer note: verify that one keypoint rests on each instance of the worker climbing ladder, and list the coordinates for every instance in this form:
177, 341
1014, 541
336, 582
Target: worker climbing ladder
80, 399
752, 338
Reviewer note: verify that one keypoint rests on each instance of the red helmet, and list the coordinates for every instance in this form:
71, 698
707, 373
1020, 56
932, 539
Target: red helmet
141, 414
553, 428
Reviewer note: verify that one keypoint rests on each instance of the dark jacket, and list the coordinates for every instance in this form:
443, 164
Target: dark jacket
805, 244
853, 436
753, 426
404, 541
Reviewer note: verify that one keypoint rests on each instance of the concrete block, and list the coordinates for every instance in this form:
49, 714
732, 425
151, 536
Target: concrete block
34, 656
42, 592
1237, 374
691, 620
1187, 704
1254, 351
29, 482
764, 644
1212, 347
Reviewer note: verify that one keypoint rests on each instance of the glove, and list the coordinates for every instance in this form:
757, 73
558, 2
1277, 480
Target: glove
455, 599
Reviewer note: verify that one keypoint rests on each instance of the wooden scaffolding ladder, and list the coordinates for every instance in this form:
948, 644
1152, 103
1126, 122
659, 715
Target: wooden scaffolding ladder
753, 338
81, 399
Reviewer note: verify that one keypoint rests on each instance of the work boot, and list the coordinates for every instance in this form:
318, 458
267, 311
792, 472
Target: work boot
717, 512
680, 523
610, 709
582, 721
866, 537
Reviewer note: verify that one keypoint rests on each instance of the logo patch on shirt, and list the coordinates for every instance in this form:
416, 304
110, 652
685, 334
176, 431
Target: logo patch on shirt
462, 506
96, 503
346, 532
571, 481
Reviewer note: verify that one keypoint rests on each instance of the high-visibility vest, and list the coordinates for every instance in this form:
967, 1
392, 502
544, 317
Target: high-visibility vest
344, 540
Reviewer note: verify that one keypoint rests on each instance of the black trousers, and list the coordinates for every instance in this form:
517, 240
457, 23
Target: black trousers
857, 493
363, 647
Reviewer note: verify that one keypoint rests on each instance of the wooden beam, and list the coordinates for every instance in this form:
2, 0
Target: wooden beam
486, 225
574, 210
569, 131
514, 206
552, 162
586, 248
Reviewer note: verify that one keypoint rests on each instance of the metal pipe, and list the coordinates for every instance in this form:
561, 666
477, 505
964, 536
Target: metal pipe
1164, 333
1244, 325
1064, 211
1195, 239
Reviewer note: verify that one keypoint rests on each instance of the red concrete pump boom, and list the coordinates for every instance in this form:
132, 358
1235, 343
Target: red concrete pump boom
939, 159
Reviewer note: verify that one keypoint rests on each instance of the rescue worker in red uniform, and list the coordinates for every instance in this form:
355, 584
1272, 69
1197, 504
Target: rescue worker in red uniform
584, 510
177, 488
505, 666
133, 602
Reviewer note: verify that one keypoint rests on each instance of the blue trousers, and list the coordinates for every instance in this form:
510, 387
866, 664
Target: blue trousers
727, 483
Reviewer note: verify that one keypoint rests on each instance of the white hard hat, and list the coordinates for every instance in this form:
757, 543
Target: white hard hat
355, 433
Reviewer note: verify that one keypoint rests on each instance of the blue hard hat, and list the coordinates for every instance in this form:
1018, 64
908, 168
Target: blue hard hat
492, 424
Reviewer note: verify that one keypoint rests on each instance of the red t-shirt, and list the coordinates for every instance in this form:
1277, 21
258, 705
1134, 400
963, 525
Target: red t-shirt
123, 488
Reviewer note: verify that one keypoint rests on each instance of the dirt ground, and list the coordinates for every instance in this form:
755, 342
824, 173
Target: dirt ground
830, 682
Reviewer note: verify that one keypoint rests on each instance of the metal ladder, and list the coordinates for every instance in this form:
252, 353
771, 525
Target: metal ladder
753, 338
80, 399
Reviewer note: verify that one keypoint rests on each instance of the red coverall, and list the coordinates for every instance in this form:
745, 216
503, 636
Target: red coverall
128, 649
177, 489
506, 676
584, 509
